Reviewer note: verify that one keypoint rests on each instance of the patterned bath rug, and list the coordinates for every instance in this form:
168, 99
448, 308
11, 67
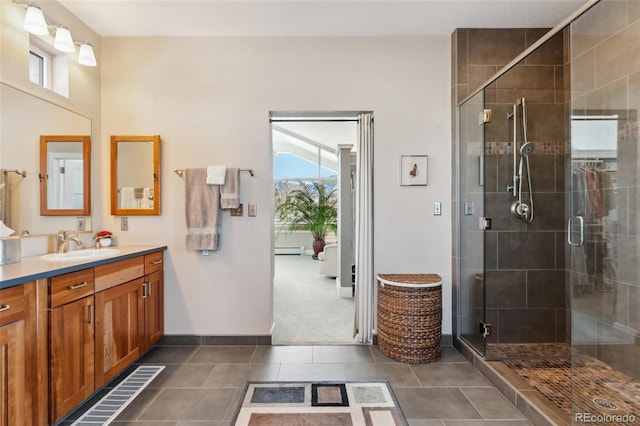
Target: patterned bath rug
319, 404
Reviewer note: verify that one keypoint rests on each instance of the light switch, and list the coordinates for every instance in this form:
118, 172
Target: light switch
252, 210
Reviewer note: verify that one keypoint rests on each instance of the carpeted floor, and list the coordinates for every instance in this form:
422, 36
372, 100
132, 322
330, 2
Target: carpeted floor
307, 308
319, 403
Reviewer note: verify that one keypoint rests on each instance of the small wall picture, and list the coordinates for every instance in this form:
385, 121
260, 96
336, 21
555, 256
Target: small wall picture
413, 170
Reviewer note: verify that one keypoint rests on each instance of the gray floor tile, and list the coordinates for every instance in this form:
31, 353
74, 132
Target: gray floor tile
135, 423
168, 355
342, 354
451, 354
442, 374
222, 354
189, 404
182, 376
283, 354
490, 403
138, 405
308, 372
397, 374
426, 423
237, 375
435, 403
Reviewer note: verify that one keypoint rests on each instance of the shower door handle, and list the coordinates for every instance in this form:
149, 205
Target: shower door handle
580, 220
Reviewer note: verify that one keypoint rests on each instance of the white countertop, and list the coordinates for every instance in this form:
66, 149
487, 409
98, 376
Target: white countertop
35, 267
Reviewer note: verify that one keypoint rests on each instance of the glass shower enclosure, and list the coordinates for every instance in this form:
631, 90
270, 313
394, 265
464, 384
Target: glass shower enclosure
556, 299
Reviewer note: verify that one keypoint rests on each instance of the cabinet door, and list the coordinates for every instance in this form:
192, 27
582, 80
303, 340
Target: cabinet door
119, 328
12, 374
71, 352
154, 309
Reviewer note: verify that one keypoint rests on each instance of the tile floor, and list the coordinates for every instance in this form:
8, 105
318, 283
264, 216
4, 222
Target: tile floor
202, 385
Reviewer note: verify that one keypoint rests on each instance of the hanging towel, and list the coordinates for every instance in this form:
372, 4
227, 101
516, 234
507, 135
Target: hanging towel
202, 211
127, 198
216, 175
230, 191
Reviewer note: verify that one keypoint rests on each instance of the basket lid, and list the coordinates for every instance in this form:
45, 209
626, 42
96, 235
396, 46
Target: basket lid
411, 280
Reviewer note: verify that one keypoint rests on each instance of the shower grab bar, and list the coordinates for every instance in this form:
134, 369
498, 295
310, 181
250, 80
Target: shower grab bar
570, 230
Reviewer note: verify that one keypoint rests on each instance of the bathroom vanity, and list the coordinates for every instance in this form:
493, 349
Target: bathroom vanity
70, 325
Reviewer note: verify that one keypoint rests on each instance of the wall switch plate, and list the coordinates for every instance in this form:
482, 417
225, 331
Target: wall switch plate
80, 224
253, 210
236, 212
468, 209
124, 223
437, 208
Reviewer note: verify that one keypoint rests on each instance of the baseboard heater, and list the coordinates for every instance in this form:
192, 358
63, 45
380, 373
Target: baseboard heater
289, 250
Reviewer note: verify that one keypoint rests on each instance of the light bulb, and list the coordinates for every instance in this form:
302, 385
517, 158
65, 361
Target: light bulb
34, 21
63, 41
86, 56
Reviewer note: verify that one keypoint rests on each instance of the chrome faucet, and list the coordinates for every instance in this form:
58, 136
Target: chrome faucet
63, 238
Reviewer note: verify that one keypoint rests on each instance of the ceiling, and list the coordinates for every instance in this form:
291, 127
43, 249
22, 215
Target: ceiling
263, 18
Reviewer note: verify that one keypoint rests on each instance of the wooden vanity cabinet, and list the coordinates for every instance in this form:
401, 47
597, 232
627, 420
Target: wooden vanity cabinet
129, 312
13, 362
153, 300
71, 341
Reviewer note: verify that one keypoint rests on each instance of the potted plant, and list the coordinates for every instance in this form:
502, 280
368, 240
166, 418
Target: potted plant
309, 206
104, 238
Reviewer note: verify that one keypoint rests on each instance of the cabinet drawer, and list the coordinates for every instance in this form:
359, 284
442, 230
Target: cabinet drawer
153, 262
11, 304
69, 287
116, 273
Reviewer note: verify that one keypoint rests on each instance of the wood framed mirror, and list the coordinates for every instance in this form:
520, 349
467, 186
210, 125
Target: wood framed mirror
65, 175
135, 175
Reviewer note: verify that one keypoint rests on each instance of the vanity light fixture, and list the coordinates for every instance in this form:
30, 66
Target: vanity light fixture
34, 21
86, 56
63, 41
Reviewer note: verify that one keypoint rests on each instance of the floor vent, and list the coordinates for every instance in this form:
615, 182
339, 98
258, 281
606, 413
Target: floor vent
289, 250
108, 408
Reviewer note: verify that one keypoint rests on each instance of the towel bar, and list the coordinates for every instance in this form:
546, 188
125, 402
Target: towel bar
180, 172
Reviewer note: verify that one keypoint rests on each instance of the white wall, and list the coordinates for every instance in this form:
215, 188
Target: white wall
209, 99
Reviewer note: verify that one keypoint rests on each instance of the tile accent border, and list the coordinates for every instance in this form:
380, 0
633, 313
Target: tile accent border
193, 340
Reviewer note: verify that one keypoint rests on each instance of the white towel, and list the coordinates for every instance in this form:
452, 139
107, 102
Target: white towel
5, 231
127, 198
216, 175
202, 211
230, 191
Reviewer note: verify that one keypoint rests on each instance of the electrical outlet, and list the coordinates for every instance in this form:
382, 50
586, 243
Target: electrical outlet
252, 210
124, 223
437, 208
80, 224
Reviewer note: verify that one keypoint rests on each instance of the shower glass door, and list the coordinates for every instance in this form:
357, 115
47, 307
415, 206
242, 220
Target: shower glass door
471, 291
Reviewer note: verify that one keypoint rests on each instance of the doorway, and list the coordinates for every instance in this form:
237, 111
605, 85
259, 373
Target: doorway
313, 300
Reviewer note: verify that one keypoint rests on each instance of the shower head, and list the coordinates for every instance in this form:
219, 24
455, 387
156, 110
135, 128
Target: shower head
526, 149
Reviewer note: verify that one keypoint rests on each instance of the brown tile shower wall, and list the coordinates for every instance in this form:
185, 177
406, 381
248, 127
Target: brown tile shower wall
525, 279
605, 78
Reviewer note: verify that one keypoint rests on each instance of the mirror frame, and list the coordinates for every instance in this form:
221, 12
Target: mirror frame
155, 139
86, 172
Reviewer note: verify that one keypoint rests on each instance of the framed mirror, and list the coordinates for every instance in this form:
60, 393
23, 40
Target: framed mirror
135, 175
65, 175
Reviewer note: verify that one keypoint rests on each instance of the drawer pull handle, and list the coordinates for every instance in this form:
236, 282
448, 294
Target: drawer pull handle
156, 262
4, 308
74, 287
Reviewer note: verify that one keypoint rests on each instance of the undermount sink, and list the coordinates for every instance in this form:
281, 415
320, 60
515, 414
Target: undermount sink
86, 254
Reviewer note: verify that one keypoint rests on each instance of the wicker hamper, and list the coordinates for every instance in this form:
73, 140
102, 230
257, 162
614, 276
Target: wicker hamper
410, 316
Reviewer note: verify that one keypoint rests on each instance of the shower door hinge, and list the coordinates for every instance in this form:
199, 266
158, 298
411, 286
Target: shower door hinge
485, 329
485, 223
485, 116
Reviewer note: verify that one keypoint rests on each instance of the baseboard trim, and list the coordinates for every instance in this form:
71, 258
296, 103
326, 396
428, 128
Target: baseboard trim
192, 340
